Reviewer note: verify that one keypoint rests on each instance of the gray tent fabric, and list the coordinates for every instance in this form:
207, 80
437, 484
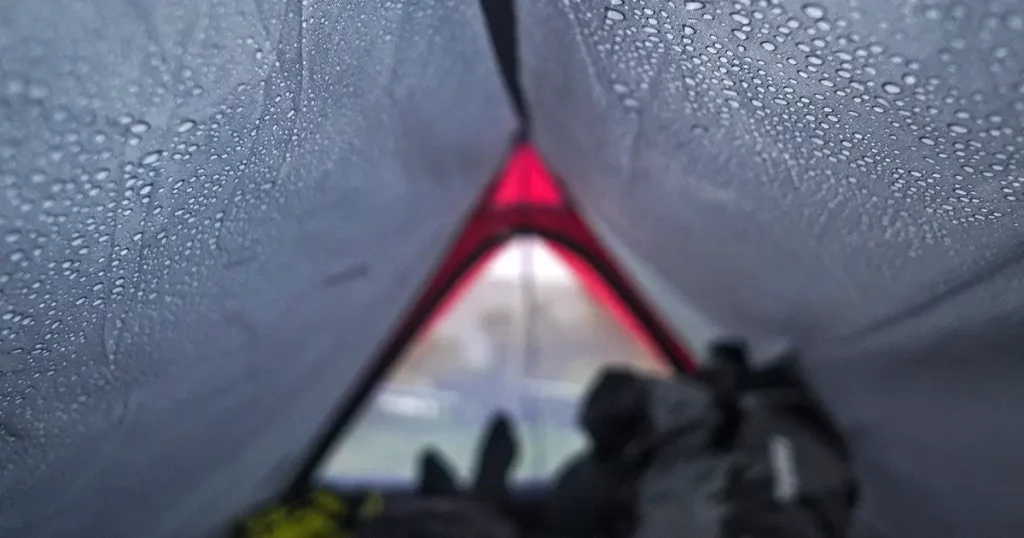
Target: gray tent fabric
842, 175
212, 212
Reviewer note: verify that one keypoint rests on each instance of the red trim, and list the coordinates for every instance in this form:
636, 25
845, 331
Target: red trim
525, 183
595, 285
526, 200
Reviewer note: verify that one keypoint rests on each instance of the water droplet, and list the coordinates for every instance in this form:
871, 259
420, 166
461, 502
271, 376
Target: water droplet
910, 78
613, 15
814, 11
151, 157
740, 18
891, 88
768, 45
693, 5
185, 126
927, 141
14, 86
958, 129
38, 91
138, 127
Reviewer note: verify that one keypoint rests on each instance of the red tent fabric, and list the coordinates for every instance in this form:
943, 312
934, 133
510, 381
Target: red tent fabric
526, 199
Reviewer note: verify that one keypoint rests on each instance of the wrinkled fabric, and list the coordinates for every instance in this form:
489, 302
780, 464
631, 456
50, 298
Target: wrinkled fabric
789, 459
683, 490
706, 460
840, 175
212, 213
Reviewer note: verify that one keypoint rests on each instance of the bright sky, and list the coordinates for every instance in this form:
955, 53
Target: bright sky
509, 264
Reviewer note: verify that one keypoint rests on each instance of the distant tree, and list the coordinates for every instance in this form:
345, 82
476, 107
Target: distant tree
499, 321
431, 355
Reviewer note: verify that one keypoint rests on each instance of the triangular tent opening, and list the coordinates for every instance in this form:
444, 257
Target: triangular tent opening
526, 336
521, 314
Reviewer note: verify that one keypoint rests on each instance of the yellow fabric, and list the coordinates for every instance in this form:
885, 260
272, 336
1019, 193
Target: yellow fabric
322, 514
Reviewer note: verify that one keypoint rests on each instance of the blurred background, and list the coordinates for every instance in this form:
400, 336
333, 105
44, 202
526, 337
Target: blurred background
526, 335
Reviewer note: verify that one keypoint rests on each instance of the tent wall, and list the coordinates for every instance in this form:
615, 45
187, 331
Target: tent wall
213, 211
842, 175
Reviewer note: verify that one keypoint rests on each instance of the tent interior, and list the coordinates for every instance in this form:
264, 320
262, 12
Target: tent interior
222, 222
522, 325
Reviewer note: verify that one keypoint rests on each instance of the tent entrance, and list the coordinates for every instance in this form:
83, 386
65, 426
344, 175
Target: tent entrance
526, 336
526, 308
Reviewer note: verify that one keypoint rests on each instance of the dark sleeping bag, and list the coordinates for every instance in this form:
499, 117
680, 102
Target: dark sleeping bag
733, 454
